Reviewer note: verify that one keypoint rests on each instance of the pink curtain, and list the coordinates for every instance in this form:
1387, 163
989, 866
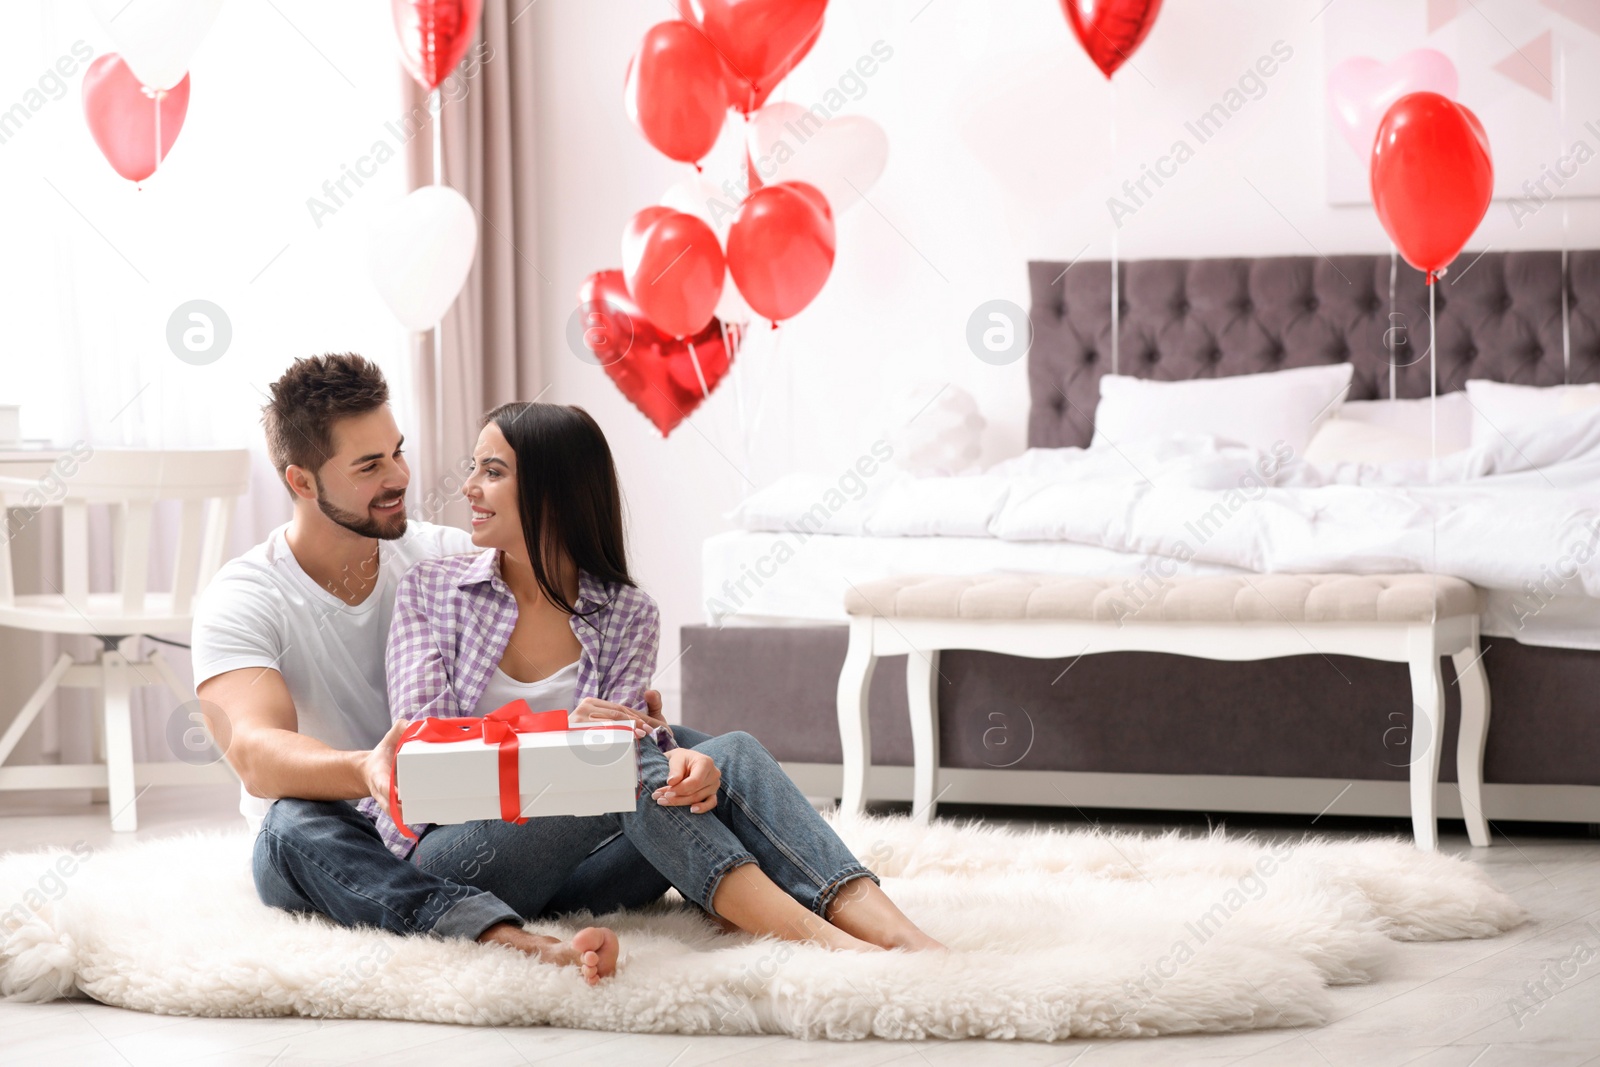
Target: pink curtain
489, 352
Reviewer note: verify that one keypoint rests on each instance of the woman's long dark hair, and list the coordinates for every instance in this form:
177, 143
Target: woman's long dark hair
567, 493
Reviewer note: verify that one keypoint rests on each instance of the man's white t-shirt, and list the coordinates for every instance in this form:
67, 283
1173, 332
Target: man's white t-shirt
263, 610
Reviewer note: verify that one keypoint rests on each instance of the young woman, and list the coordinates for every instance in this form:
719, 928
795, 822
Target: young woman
548, 613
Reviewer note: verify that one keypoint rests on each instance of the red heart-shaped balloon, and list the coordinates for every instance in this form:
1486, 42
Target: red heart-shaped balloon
1110, 30
633, 234
748, 94
434, 35
1432, 178
655, 372
122, 116
676, 90
781, 247
760, 41
674, 269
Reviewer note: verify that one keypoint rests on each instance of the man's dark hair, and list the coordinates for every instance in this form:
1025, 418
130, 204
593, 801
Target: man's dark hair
312, 395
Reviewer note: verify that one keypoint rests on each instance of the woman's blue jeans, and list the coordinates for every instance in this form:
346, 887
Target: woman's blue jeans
325, 856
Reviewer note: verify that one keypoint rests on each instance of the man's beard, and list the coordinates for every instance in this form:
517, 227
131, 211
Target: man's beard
366, 525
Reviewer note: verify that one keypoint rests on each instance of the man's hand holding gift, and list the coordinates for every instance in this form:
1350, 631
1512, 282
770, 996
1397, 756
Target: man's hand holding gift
377, 767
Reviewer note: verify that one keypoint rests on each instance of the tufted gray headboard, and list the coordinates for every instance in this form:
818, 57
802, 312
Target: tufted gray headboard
1499, 317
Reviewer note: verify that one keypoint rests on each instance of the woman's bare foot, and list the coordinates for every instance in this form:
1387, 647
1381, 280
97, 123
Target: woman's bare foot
593, 949
920, 942
807, 928
810, 930
863, 910
748, 898
815, 930
723, 924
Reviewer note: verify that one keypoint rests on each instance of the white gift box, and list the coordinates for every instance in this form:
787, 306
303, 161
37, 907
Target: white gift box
587, 769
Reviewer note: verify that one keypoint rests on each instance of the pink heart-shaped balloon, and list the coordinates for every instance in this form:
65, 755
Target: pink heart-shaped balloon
122, 116
1361, 90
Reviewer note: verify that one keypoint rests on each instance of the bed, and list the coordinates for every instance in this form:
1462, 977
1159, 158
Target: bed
1151, 731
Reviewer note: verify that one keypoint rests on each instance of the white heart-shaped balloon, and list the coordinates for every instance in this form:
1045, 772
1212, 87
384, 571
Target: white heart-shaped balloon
698, 197
420, 253
842, 156
732, 306
156, 38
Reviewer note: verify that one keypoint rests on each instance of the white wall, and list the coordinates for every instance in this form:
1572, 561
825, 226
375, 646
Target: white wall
283, 96
999, 133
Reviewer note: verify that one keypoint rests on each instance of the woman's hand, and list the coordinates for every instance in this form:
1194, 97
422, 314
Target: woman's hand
693, 779
593, 709
377, 766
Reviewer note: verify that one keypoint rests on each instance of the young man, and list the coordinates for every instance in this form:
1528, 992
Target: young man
288, 651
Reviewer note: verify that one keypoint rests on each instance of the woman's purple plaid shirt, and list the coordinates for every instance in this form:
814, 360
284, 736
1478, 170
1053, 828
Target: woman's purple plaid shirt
453, 618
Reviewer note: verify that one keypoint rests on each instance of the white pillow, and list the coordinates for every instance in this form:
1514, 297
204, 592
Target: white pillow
1253, 409
1577, 397
813, 503
1499, 408
935, 429
1350, 441
938, 507
1376, 431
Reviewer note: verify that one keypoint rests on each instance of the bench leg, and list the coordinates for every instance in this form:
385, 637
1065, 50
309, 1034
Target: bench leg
1427, 711
855, 730
922, 674
1474, 685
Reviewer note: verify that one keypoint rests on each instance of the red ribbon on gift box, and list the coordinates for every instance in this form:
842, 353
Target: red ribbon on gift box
500, 727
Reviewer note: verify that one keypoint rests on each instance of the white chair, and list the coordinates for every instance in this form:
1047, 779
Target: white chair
131, 482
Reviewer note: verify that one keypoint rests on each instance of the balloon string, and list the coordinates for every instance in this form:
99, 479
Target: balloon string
1433, 443
1388, 334
1433, 378
1566, 313
749, 164
766, 387
436, 111
729, 344
1116, 302
732, 340
1561, 123
694, 357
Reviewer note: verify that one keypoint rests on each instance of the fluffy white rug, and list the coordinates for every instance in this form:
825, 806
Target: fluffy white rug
1054, 934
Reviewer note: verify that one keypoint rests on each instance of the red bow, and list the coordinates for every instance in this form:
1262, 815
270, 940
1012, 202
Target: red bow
499, 727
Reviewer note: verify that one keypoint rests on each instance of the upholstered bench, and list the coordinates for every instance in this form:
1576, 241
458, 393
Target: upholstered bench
1403, 618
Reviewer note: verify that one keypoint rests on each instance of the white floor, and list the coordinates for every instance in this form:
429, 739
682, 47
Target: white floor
1438, 1005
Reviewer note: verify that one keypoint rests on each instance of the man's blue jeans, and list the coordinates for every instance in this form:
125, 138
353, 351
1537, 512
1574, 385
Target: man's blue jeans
325, 856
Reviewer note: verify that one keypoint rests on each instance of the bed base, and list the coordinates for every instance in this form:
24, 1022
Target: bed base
1160, 732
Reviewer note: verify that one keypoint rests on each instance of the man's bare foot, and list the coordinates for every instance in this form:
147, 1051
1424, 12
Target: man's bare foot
593, 949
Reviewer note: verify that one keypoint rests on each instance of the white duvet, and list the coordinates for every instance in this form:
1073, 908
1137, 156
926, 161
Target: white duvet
1518, 516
